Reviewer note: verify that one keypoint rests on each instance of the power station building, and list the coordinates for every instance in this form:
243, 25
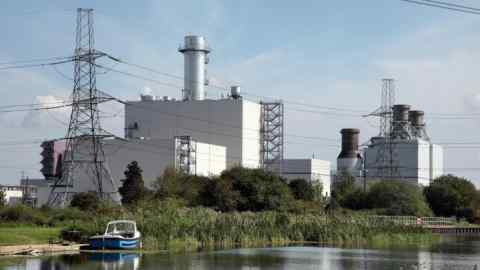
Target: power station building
233, 123
405, 154
199, 135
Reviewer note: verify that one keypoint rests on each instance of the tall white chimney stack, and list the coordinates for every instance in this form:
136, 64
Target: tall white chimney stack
195, 51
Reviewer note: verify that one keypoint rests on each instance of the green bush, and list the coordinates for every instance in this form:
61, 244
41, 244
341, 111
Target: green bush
3, 201
448, 194
357, 199
397, 198
237, 189
23, 214
59, 217
259, 190
86, 201
302, 189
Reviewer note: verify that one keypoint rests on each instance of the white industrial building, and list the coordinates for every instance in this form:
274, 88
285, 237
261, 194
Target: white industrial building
406, 154
313, 170
154, 155
12, 194
233, 123
416, 160
198, 135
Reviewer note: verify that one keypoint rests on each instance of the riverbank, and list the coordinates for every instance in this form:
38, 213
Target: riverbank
38, 249
166, 225
18, 234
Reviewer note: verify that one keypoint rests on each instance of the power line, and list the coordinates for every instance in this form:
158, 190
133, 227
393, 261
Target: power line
451, 7
174, 115
452, 4
151, 70
35, 60
32, 104
286, 101
139, 77
154, 147
36, 109
222, 88
34, 65
180, 87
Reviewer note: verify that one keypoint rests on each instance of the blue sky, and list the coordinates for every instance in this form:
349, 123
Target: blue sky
330, 53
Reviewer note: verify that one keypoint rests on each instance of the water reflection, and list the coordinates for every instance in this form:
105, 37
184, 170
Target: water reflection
115, 261
461, 254
90, 261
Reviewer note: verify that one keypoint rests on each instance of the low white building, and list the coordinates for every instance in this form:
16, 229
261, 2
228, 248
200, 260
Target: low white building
155, 155
12, 194
313, 170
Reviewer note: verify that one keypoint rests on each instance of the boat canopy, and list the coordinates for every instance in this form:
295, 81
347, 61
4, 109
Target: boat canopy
120, 227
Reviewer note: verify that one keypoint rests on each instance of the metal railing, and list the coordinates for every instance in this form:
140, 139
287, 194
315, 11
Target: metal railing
413, 220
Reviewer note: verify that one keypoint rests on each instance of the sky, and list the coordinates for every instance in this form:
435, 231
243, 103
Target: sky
324, 53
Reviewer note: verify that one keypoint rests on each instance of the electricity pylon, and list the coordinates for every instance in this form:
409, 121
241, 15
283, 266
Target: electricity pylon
84, 154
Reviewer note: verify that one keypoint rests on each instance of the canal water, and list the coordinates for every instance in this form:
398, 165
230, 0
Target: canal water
451, 254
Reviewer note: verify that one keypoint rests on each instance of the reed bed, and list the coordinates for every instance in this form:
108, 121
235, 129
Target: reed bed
167, 227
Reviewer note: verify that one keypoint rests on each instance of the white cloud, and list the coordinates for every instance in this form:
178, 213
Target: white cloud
49, 116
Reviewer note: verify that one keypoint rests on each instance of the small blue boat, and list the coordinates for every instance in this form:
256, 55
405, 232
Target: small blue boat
119, 234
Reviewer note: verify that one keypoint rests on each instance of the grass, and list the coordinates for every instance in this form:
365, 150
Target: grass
26, 235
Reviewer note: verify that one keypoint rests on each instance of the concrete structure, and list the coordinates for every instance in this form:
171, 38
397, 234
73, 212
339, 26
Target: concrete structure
349, 160
436, 161
232, 123
313, 170
42, 192
416, 161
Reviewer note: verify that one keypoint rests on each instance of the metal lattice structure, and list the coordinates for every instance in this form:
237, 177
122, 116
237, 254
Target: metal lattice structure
84, 153
385, 157
272, 136
385, 110
185, 155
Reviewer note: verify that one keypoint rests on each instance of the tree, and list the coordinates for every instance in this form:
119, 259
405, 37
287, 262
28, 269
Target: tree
166, 185
236, 189
355, 200
133, 187
302, 189
347, 194
219, 194
175, 184
258, 189
343, 186
450, 195
397, 198
3, 199
86, 201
